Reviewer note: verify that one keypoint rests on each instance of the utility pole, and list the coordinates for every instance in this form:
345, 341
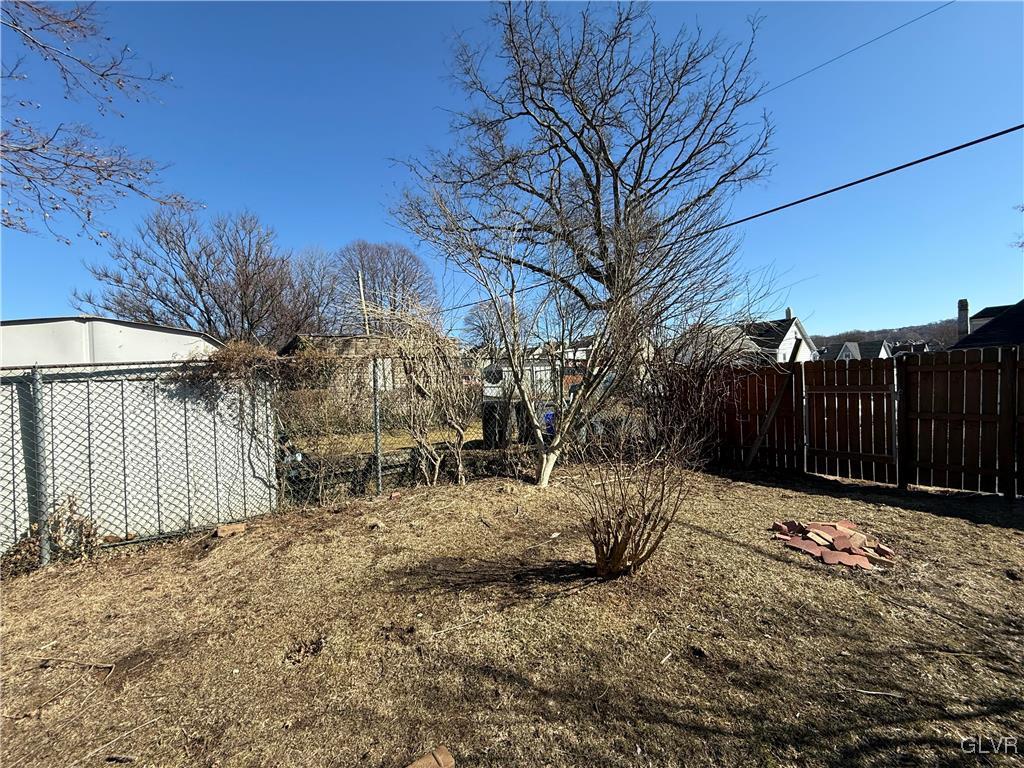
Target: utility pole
376, 392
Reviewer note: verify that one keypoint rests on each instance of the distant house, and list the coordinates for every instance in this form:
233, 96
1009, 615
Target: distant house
357, 348
877, 349
855, 350
541, 368
915, 347
773, 340
967, 323
839, 350
998, 327
87, 340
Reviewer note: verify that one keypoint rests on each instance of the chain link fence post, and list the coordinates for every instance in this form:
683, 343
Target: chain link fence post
377, 453
36, 469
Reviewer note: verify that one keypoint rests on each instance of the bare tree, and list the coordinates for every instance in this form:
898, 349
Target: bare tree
442, 393
595, 164
54, 172
396, 281
229, 279
481, 328
325, 291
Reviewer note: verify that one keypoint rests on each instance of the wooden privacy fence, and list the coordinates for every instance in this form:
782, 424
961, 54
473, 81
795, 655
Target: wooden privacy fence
952, 419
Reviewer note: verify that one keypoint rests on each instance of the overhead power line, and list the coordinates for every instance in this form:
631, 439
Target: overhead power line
872, 177
856, 48
801, 201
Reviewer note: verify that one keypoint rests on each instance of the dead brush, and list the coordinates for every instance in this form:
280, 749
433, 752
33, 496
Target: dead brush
72, 537
628, 507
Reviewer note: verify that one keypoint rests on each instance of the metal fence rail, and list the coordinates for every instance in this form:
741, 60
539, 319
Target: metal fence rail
137, 454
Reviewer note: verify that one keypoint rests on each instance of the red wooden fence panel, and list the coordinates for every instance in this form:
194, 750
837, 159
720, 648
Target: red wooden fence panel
752, 395
1019, 421
850, 426
954, 426
952, 419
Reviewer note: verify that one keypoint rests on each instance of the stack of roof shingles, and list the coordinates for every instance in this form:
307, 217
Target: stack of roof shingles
837, 543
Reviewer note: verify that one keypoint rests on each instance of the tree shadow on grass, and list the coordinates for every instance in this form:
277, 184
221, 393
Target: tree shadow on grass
748, 714
726, 708
510, 578
983, 509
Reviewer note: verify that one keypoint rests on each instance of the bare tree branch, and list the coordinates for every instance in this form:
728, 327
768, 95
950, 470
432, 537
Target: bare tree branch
64, 173
603, 157
229, 279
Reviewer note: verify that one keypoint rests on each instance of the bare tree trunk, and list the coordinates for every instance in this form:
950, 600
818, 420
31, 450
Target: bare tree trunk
545, 463
458, 443
460, 470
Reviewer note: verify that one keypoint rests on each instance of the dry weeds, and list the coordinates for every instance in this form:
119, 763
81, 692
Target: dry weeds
368, 634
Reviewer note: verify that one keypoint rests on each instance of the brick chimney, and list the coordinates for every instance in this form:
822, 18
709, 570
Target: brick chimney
789, 313
963, 319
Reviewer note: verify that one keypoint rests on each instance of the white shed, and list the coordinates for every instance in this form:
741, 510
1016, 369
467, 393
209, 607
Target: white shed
50, 341
89, 417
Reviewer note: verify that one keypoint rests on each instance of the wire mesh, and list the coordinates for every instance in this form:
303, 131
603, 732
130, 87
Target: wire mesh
132, 451
333, 446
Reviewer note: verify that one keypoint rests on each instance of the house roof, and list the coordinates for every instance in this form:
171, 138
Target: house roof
113, 321
1005, 329
871, 349
832, 351
914, 347
769, 334
990, 312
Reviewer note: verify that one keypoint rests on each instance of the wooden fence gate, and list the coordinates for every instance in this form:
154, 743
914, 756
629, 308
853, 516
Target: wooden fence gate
951, 419
851, 423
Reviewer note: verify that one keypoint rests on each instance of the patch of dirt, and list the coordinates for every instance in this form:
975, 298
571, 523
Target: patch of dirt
127, 668
305, 649
472, 618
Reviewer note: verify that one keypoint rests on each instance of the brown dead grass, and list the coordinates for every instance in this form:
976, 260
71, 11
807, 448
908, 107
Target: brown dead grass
366, 635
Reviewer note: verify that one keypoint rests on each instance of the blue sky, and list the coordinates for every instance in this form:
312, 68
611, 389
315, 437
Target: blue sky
295, 110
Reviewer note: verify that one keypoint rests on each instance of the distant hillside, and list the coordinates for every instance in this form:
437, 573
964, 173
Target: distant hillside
941, 330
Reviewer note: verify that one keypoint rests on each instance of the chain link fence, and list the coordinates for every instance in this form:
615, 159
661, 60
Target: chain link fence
140, 451
362, 424
132, 451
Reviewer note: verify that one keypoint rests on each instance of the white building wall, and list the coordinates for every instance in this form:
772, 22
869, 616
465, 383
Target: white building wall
66, 341
786, 348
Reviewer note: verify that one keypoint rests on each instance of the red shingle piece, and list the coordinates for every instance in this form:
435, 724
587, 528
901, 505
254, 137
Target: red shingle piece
804, 545
834, 543
831, 557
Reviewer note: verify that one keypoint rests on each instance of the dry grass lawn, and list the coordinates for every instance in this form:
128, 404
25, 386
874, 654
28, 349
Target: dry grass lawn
365, 635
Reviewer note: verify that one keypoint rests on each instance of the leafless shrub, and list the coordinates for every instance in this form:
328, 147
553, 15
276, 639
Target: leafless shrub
441, 392
636, 460
72, 537
629, 505
688, 388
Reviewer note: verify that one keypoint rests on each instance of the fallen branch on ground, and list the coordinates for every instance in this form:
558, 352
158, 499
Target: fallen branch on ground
873, 693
